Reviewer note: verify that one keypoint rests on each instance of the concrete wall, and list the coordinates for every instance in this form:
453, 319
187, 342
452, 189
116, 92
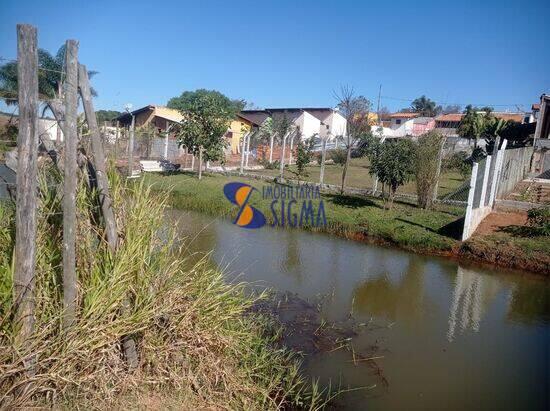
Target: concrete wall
515, 166
309, 125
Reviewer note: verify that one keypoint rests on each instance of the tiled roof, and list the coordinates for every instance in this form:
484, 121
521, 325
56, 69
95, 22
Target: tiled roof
451, 117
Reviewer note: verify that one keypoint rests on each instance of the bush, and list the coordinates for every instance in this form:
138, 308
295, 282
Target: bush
458, 162
338, 156
270, 166
426, 164
303, 155
539, 220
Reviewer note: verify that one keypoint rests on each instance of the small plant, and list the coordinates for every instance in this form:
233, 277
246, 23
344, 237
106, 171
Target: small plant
539, 220
270, 166
338, 156
304, 153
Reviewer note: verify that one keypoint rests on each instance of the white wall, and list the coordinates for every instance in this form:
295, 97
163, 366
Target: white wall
48, 128
309, 125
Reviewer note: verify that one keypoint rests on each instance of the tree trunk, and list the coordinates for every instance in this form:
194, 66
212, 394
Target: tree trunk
282, 165
271, 140
323, 158
26, 202
345, 170
200, 162
69, 186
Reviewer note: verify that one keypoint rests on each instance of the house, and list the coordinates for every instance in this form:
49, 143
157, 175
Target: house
308, 125
333, 124
237, 129
447, 124
159, 116
398, 119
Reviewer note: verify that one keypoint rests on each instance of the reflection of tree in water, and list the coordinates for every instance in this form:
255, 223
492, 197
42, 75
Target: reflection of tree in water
292, 262
530, 302
472, 295
404, 301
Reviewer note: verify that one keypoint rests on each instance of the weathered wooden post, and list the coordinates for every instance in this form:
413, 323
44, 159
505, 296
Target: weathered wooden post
26, 203
131, 147
129, 345
69, 184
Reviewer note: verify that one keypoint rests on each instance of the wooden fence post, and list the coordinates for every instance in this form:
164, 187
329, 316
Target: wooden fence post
69, 184
129, 345
98, 159
26, 203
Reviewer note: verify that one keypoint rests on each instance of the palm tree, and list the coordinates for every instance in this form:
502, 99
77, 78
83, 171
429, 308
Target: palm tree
424, 106
50, 77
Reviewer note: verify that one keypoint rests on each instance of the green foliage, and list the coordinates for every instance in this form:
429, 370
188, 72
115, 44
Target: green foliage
539, 220
275, 165
339, 156
477, 124
304, 154
367, 143
207, 114
393, 163
425, 107
106, 115
50, 77
458, 162
426, 164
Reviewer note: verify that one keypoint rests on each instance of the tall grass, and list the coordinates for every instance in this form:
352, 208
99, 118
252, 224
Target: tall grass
198, 344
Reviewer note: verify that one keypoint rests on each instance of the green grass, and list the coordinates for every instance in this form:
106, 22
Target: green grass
405, 225
359, 177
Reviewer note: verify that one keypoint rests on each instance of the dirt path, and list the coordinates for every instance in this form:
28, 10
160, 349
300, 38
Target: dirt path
497, 220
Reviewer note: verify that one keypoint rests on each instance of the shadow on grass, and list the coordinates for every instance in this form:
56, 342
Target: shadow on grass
520, 231
452, 230
351, 201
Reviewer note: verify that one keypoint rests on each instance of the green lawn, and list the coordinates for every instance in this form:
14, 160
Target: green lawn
359, 177
405, 225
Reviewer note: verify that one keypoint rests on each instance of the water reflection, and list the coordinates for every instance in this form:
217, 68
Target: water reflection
448, 332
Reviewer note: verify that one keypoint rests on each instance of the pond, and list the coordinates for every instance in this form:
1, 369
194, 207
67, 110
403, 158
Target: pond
439, 335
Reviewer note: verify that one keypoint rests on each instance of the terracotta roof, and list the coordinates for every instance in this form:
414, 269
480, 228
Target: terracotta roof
451, 117
456, 117
404, 115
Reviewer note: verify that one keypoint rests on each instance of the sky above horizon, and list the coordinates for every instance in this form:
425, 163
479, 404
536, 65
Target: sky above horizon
297, 54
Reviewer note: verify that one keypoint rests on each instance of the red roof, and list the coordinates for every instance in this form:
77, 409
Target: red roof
452, 117
457, 117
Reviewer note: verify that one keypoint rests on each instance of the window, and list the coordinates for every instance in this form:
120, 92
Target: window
398, 121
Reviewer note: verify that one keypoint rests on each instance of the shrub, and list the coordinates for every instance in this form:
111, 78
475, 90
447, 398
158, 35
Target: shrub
270, 166
458, 162
303, 155
539, 220
338, 156
426, 164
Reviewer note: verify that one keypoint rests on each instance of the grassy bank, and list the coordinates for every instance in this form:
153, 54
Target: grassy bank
365, 219
198, 344
359, 177
354, 217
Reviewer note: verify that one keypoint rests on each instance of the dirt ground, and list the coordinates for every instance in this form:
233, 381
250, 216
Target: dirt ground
498, 219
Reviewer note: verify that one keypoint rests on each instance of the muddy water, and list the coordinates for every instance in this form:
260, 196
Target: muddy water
439, 335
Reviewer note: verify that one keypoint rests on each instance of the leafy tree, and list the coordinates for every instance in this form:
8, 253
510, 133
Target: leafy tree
338, 156
473, 124
50, 76
393, 163
451, 109
356, 110
207, 114
426, 167
424, 106
106, 115
304, 154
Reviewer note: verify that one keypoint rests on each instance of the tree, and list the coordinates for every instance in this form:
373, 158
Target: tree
451, 109
355, 110
426, 167
424, 106
50, 76
106, 115
304, 154
474, 123
207, 114
393, 163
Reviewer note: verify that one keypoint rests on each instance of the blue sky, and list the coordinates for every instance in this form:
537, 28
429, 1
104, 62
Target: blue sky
296, 53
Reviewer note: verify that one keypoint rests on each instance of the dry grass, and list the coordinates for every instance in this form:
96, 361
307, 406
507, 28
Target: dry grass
197, 346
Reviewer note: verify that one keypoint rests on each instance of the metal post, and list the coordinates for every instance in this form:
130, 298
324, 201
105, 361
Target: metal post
131, 147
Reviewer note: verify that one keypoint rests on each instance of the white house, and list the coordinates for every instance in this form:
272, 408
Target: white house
308, 124
333, 124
